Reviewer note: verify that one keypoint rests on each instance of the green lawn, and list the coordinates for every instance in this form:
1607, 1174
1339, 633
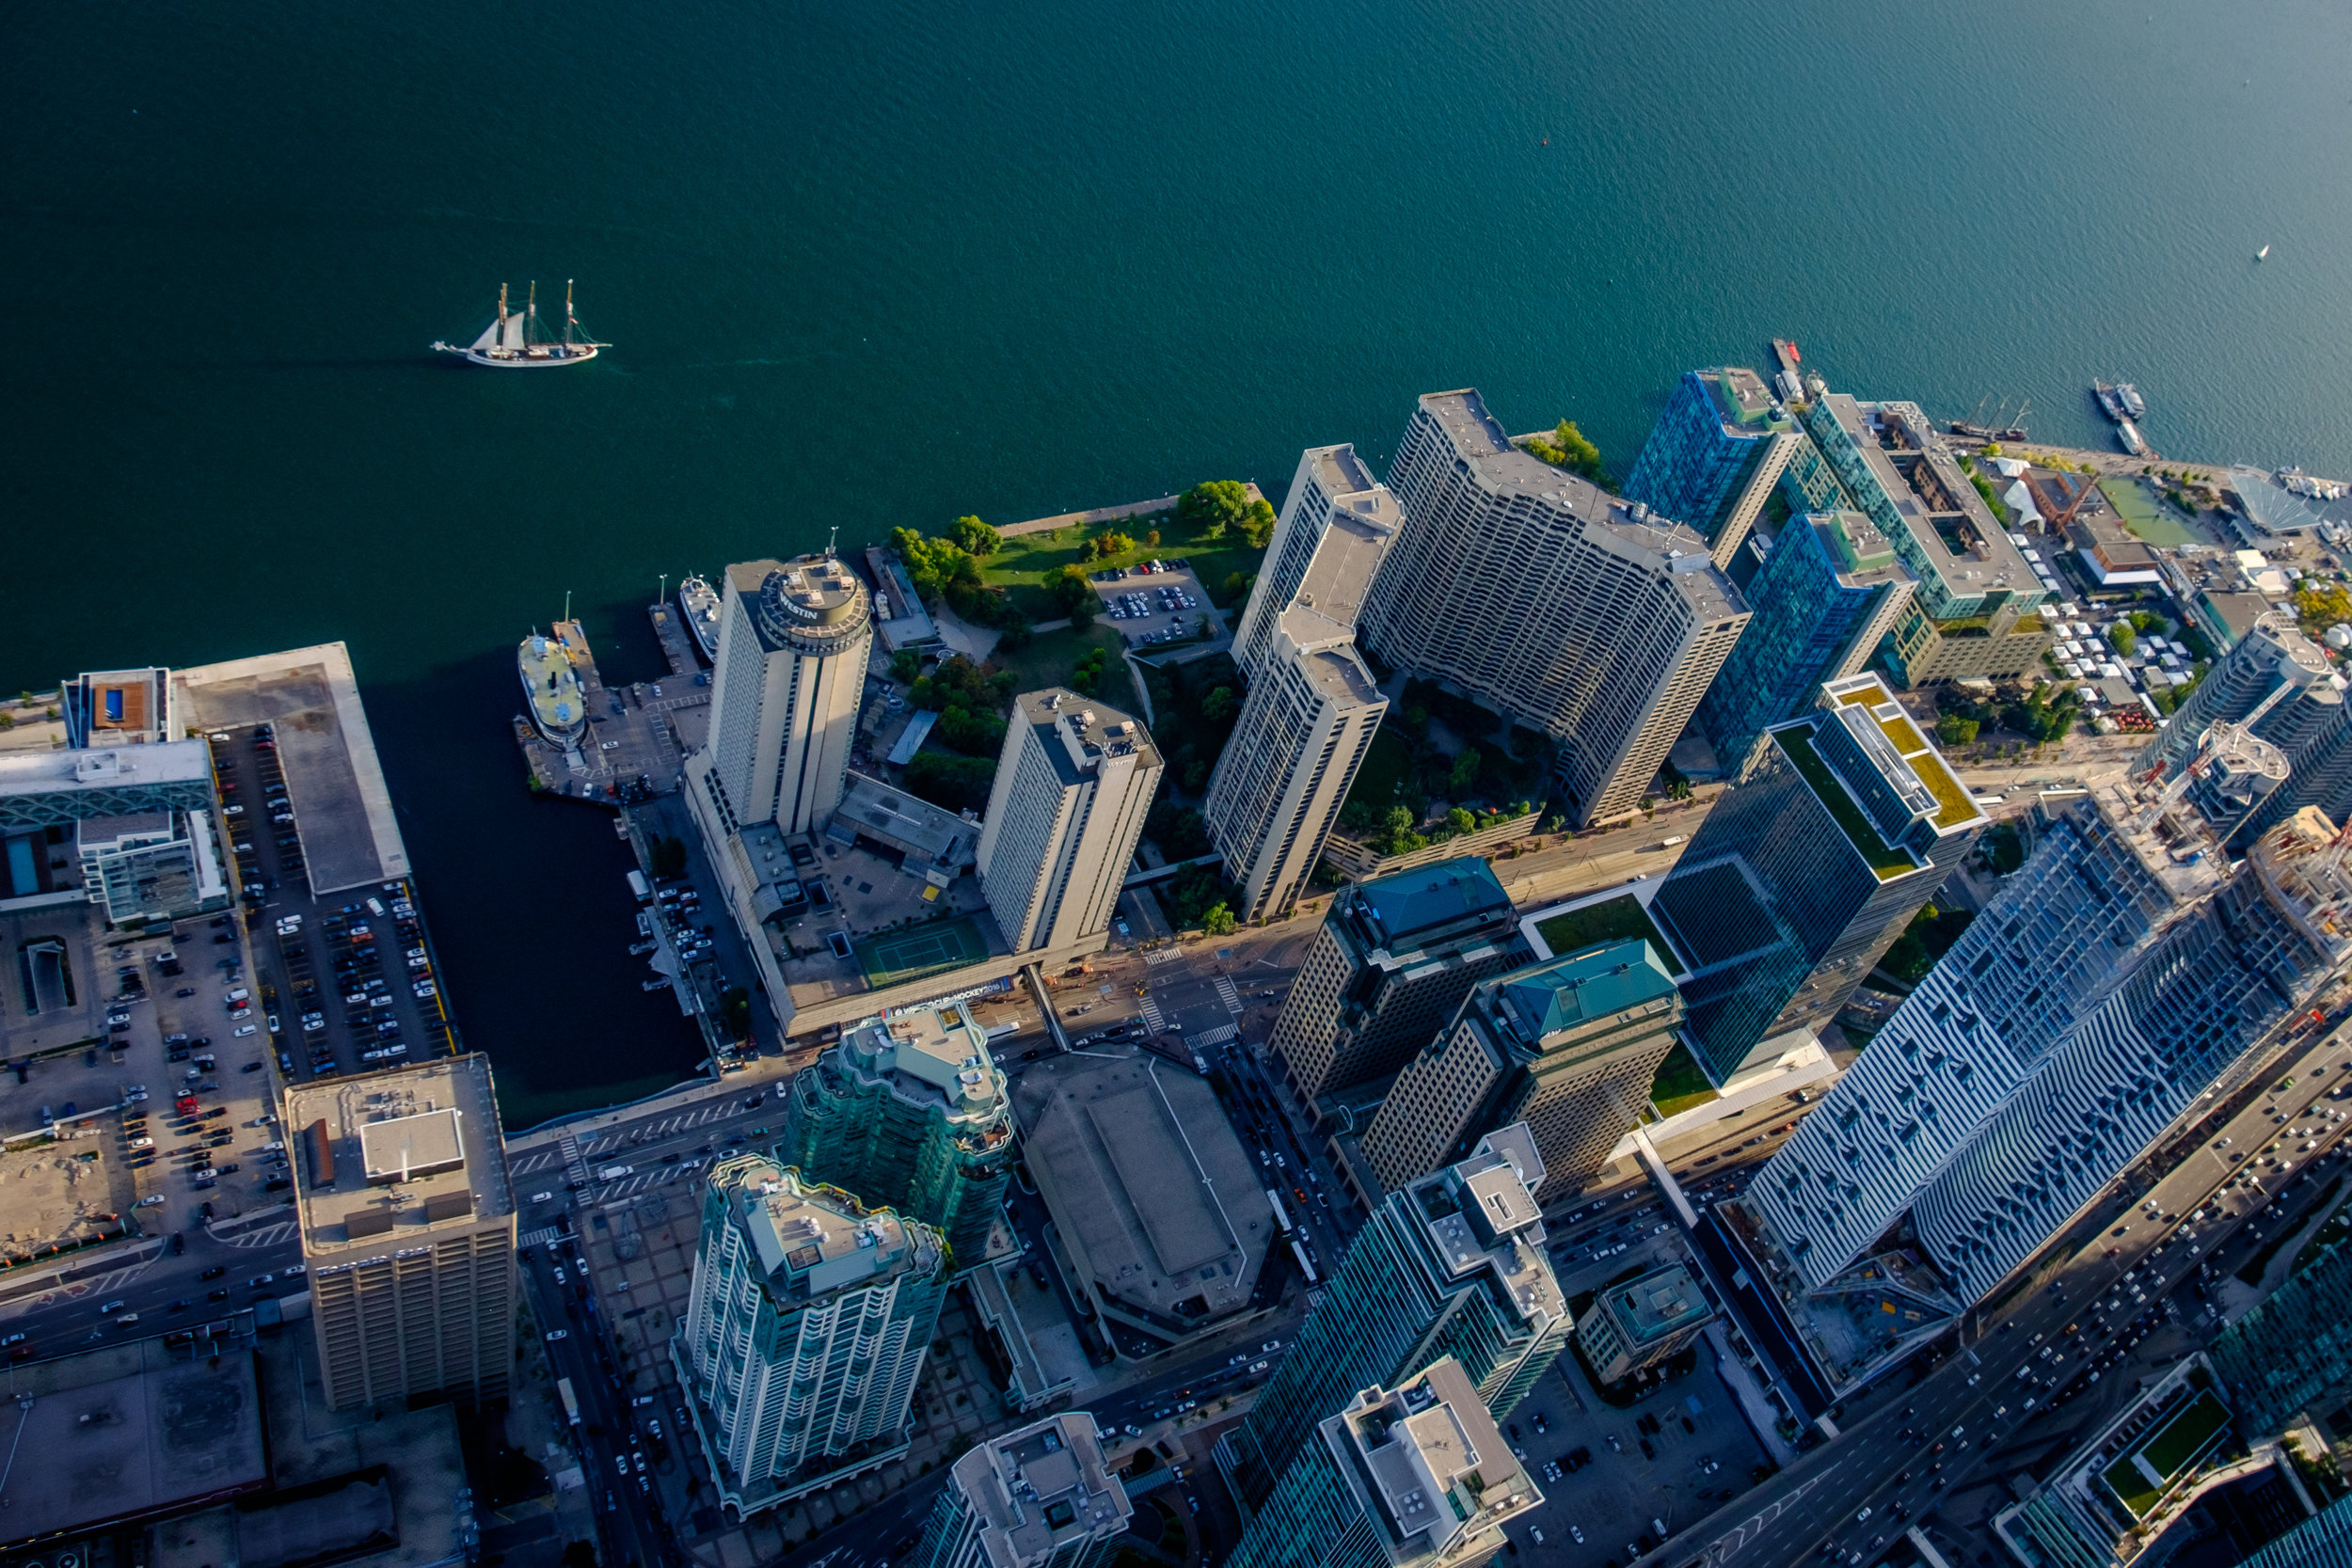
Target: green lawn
1680, 1084
2143, 515
1387, 760
1052, 655
2130, 1488
1607, 921
2187, 1435
1022, 564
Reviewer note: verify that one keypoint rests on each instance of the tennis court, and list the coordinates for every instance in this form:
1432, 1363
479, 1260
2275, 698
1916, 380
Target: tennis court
928, 949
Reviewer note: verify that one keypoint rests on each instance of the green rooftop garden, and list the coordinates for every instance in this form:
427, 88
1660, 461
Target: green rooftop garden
1884, 861
1610, 920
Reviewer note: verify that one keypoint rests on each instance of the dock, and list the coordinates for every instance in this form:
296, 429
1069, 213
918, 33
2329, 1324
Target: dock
677, 643
634, 748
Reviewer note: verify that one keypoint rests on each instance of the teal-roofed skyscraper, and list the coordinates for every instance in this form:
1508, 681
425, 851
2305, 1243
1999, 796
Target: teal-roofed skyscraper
1390, 963
1417, 1476
1568, 1046
909, 1111
1826, 596
1808, 870
1714, 455
1451, 1266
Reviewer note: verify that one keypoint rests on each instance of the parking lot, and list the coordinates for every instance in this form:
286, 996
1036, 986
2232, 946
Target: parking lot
344, 982
1155, 602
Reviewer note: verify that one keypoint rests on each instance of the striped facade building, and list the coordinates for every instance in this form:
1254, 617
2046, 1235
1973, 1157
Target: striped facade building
1548, 600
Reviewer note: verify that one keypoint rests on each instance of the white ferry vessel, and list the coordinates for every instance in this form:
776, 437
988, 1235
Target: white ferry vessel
559, 709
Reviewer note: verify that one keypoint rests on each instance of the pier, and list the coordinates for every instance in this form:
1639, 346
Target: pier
634, 744
677, 643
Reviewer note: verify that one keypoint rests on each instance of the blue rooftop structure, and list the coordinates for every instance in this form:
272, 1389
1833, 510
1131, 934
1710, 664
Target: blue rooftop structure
1410, 908
1578, 988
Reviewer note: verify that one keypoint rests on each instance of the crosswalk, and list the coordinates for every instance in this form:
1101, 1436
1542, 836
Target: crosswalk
1150, 1012
575, 1163
1207, 1037
539, 1237
261, 1235
1230, 994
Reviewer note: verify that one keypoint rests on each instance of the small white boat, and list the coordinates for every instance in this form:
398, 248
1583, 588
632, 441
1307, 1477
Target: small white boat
699, 602
2262, 255
516, 342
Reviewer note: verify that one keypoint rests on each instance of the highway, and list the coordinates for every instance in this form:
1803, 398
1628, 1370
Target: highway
1849, 1498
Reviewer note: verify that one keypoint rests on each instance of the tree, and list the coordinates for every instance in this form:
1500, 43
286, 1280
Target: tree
1237, 588
934, 563
1217, 921
1566, 448
1214, 505
1074, 595
1195, 775
1219, 704
1152, 539
669, 857
2120, 635
974, 537
1465, 775
1953, 730
1461, 821
974, 733
955, 783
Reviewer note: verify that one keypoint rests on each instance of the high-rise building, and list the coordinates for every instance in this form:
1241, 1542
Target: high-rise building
1807, 869
1390, 963
1570, 611
1454, 1266
1331, 484
794, 638
1303, 731
2275, 681
1642, 1321
407, 1220
1073, 786
144, 827
1414, 1477
2123, 972
1824, 599
804, 1332
2322, 1541
2291, 1355
1972, 614
1568, 1046
909, 1110
1038, 1497
1713, 456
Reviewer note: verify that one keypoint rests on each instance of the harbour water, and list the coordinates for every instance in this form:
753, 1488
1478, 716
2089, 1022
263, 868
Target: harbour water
885, 264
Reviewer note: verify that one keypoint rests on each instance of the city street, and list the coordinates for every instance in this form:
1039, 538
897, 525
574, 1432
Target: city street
1849, 1498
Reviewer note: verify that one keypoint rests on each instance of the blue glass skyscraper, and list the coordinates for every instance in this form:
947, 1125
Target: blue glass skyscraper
1807, 869
1714, 455
1825, 596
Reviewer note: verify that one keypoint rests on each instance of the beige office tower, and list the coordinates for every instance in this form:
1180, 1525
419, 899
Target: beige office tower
1332, 486
407, 1221
1073, 785
794, 638
1304, 728
1568, 1046
1575, 613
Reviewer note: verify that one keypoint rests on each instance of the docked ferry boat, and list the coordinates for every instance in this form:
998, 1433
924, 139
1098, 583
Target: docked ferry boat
559, 709
699, 604
516, 341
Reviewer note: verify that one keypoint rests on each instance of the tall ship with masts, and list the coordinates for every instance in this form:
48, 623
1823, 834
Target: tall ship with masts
517, 341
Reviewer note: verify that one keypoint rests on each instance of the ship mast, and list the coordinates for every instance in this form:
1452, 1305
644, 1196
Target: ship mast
571, 320
501, 313
530, 317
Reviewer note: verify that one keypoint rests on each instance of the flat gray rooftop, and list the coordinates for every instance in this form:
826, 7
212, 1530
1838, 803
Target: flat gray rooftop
343, 809
159, 1435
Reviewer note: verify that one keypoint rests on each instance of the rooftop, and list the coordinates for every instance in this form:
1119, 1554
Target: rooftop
903, 821
1039, 1486
1480, 1213
392, 1158
1660, 1302
1624, 529
1955, 532
1410, 909
98, 773
811, 1239
1147, 1182
1580, 987
1348, 556
809, 594
127, 1431
1082, 731
1431, 1460
1331, 664
1954, 808
1745, 403
940, 1048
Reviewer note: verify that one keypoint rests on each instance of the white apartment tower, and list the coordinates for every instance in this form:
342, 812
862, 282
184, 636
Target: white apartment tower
804, 1332
793, 639
1332, 483
1073, 785
1038, 1497
1571, 612
1304, 728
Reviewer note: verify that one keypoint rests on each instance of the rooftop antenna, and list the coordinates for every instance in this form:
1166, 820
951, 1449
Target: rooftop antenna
568, 606
831, 539
663, 591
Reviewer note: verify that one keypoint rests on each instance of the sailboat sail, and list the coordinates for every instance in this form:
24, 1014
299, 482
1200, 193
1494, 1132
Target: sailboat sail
514, 335
489, 341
